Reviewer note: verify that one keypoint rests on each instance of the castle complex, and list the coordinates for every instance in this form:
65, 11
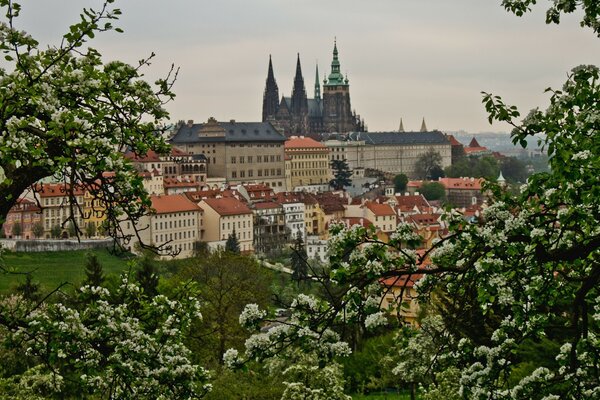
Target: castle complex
299, 115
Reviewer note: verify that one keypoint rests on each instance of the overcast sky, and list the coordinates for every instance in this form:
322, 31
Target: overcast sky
405, 59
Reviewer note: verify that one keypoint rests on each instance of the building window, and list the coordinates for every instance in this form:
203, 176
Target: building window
242, 174
249, 159
234, 174
233, 159
250, 173
259, 159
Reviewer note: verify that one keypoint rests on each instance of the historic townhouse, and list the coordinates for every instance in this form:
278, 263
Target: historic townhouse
24, 214
57, 207
227, 216
174, 225
309, 163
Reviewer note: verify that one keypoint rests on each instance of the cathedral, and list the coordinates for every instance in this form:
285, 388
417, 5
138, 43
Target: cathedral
299, 115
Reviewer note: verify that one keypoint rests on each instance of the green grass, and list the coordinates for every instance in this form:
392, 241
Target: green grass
50, 269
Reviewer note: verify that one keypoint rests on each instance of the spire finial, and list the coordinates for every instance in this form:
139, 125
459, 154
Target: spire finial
423, 126
317, 84
401, 128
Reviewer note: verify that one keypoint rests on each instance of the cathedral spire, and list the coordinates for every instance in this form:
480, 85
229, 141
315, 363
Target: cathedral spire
271, 94
401, 128
299, 98
317, 85
423, 126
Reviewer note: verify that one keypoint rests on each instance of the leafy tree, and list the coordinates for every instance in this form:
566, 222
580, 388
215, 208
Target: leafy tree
400, 182
72, 229
433, 191
38, 229
232, 244
226, 282
341, 174
299, 259
476, 167
589, 10
16, 230
66, 114
428, 163
55, 231
513, 170
29, 289
94, 275
90, 229
147, 276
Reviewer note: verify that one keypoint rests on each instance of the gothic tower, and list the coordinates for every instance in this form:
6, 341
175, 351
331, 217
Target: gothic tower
270, 96
337, 113
299, 102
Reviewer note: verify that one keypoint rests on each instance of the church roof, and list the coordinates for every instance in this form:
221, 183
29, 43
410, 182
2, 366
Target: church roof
234, 132
381, 138
315, 106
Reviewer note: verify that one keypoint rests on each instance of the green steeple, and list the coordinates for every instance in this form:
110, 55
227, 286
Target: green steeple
317, 85
335, 77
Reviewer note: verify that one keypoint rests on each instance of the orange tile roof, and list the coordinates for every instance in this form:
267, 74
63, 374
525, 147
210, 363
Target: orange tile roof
412, 201
380, 209
173, 182
453, 141
472, 150
56, 190
462, 183
424, 219
228, 206
173, 203
298, 142
266, 204
474, 143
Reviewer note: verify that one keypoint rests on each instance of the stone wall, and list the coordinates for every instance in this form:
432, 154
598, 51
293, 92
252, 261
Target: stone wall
19, 245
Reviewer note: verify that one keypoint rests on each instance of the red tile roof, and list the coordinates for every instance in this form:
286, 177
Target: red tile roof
56, 190
462, 183
173, 203
228, 206
424, 219
412, 201
453, 141
302, 142
474, 143
380, 209
266, 204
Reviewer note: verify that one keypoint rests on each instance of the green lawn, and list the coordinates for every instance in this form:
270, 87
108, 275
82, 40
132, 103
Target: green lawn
50, 269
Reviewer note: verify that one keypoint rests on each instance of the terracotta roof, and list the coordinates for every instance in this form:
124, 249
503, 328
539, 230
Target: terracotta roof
402, 281
415, 184
150, 156
453, 141
474, 143
288, 197
412, 201
266, 204
380, 209
174, 182
298, 142
462, 183
173, 203
473, 150
228, 206
56, 190
424, 219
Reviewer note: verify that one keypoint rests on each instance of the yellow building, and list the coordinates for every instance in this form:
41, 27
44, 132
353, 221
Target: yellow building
55, 200
308, 162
